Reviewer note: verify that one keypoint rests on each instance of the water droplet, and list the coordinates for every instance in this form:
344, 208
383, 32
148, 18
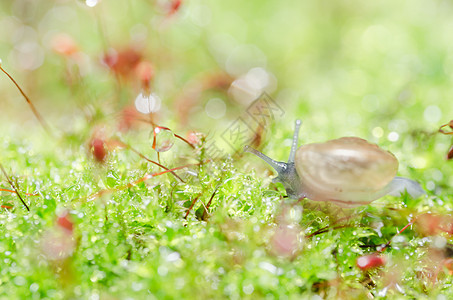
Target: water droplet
179, 283
377, 132
34, 287
439, 242
419, 162
268, 267
91, 3
399, 239
137, 286
393, 136
437, 175
174, 256
19, 280
162, 270
383, 292
432, 114
147, 103
248, 289
246, 88
215, 108
163, 139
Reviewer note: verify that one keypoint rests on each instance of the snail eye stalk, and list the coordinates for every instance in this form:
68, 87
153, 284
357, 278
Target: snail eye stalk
280, 167
292, 154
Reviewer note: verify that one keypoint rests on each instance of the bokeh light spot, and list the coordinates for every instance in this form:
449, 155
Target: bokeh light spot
393, 136
147, 103
215, 108
91, 3
377, 132
432, 114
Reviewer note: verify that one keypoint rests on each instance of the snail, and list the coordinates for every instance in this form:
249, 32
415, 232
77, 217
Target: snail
348, 171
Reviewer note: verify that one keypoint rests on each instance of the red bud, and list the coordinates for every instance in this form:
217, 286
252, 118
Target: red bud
97, 147
64, 222
370, 261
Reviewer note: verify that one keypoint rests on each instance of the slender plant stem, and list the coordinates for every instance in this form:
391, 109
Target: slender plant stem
10, 191
33, 108
146, 158
14, 187
191, 206
134, 183
398, 233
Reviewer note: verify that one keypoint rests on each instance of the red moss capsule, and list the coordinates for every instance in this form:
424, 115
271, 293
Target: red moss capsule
145, 73
98, 148
64, 44
194, 138
122, 62
450, 153
432, 224
370, 261
428, 224
64, 222
174, 7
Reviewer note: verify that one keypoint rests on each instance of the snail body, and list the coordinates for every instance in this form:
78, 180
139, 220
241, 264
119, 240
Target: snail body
348, 171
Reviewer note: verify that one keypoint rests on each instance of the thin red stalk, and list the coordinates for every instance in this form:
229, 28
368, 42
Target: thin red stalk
11, 191
151, 161
146, 121
134, 183
33, 108
210, 199
170, 170
445, 125
206, 207
183, 139
14, 187
191, 206
326, 229
399, 232
176, 135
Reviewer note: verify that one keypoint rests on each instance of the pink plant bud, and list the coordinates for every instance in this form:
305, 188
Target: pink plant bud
64, 222
370, 261
97, 147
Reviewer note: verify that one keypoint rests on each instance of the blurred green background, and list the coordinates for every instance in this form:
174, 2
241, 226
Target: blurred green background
344, 67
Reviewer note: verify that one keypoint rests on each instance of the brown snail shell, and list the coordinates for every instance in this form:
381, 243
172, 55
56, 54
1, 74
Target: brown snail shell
348, 171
